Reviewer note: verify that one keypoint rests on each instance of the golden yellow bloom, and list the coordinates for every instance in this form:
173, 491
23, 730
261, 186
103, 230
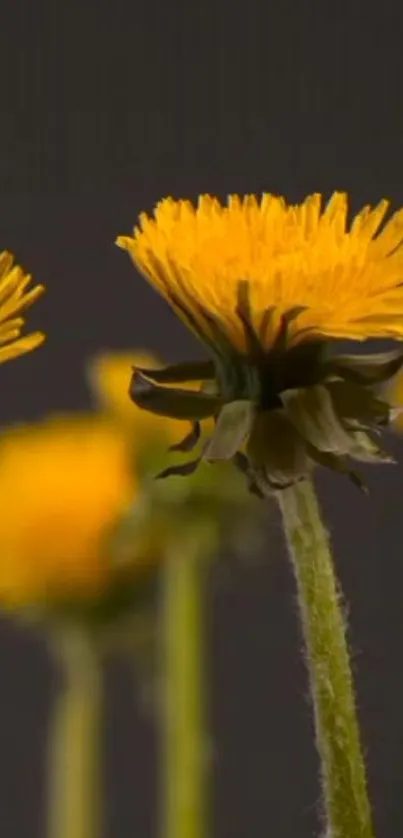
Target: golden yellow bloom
14, 299
63, 485
346, 280
269, 287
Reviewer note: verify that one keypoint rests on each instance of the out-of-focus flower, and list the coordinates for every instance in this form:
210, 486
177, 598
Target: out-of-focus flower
65, 484
14, 299
266, 286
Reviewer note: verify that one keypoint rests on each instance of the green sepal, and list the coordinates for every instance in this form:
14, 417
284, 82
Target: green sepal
180, 470
232, 428
312, 413
367, 451
244, 312
353, 401
242, 462
175, 403
337, 464
190, 440
180, 373
303, 365
281, 342
367, 369
276, 451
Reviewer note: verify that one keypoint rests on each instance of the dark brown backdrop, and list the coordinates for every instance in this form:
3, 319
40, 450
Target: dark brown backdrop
107, 107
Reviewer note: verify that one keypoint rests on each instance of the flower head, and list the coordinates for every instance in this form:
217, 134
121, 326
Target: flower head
64, 485
14, 299
266, 286
345, 282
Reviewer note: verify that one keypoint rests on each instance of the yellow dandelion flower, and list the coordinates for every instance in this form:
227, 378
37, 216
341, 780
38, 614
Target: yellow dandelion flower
267, 286
14, 299
63, 485
347, 281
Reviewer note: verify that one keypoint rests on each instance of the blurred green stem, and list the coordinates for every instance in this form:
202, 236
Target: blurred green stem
346, 805
74, 745
184, 766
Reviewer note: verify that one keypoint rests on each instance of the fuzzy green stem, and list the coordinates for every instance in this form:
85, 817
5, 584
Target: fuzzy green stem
346, 805
74, 745
184, 769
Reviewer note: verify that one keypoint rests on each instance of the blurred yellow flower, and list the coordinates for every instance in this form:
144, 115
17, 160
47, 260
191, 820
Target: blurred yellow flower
63, 485
13, 301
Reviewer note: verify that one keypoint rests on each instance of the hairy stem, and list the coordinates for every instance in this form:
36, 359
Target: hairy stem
184, 778
346, 805
74, 745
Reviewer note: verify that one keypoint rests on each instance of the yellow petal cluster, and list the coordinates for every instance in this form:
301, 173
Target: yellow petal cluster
14, 299
347, 277
63, 485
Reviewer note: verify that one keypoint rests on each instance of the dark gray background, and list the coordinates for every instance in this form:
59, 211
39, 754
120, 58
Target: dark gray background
106, 107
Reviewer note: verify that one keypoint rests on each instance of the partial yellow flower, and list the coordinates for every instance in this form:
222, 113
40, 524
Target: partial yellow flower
14, 299
347, 280
64, 484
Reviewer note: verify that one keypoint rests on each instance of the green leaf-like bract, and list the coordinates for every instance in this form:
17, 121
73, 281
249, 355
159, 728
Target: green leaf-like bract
175, 403
233, 427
